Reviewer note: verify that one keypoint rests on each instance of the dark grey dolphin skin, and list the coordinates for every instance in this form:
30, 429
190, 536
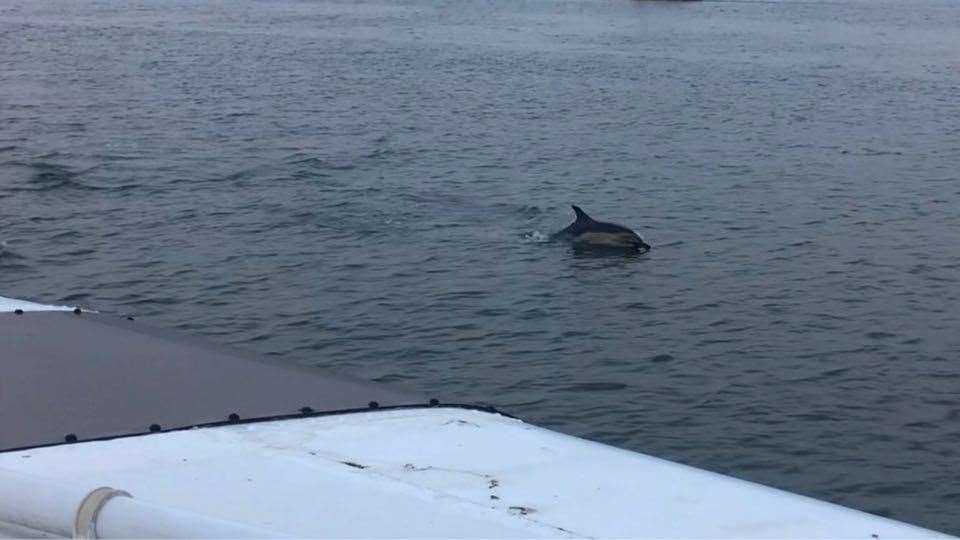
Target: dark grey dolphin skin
586, 232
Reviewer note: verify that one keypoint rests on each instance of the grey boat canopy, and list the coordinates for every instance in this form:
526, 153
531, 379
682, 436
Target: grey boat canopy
78, 376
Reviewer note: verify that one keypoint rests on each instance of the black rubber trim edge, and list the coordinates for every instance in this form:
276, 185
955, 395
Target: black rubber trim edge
292, 416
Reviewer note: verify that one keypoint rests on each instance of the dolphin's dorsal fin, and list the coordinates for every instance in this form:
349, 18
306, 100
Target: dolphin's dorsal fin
581, 215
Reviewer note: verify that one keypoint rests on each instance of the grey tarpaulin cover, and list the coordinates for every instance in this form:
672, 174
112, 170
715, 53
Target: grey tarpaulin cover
92, 376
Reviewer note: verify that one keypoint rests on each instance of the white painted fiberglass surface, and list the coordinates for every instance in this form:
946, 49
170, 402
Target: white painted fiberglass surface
11, 304
438, 472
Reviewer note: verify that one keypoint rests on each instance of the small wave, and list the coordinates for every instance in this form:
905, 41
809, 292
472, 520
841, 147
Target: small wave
66, 235
12, 267
75, 298
593, 387
323, 164
10, 260
116, 157
8, 254
529, 211
870, 152
526, 211
47, 176
317, 163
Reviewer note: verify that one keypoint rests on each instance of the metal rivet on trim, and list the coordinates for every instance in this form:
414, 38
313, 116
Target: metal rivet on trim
155, 427
373, 405
70, 438
234, 417
18, 311
306, 410
76, 311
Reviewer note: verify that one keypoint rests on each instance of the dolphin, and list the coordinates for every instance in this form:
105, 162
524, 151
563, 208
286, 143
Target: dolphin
585, 232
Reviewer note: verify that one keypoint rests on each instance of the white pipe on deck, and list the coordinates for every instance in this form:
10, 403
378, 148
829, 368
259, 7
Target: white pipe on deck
45, 506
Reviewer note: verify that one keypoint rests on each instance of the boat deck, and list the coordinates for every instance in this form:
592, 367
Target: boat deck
213, 442
438, 473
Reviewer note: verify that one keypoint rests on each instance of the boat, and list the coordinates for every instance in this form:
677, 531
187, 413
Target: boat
112, 428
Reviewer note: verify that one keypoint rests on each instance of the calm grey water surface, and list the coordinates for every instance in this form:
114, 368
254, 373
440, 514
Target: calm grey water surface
364, 186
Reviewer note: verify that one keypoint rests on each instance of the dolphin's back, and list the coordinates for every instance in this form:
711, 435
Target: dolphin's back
611, 228
585, 223
587, 231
